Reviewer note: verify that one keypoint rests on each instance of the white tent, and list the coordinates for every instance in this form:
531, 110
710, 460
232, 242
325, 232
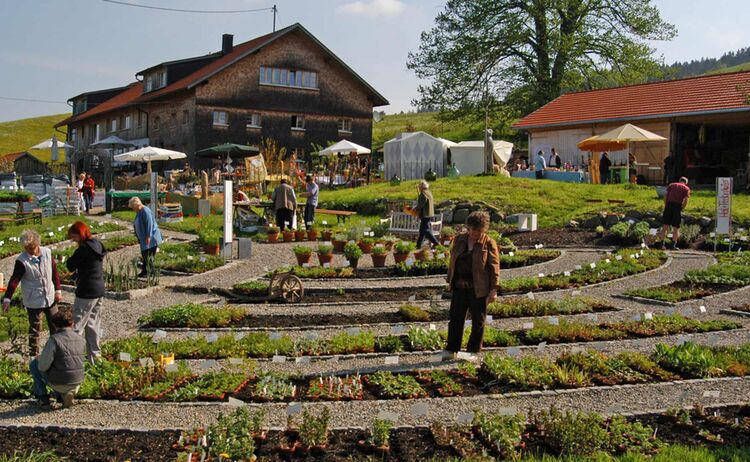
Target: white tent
344, 146
410, 155
469, 156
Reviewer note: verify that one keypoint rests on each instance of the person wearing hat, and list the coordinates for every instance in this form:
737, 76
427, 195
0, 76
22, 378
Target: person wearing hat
312, 200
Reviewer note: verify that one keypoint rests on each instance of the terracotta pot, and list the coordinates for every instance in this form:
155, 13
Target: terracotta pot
325, 258
382, 450
312, 235
378, 261
211, 249
326, 236
299, 235
288, 236
302, 259
422, 255
400, 257
366, 248
273, 237
338, 245
353, 262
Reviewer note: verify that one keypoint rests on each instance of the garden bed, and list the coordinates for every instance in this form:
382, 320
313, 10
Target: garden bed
560, 238
677, 292
320, 295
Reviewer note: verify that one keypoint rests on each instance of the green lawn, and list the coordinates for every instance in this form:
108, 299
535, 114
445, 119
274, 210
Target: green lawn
737, 68
555, 202
20, 135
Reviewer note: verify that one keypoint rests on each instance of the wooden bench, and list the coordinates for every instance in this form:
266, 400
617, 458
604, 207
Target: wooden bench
341, 215
21, 218
405, 223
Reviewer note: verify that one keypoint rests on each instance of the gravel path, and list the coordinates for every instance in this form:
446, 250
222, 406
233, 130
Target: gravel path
608, 400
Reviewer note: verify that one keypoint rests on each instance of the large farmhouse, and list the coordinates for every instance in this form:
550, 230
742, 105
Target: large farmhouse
706, 121
286, 86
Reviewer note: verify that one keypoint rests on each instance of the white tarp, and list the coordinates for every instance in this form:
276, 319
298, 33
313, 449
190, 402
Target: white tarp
469, 156
410, 155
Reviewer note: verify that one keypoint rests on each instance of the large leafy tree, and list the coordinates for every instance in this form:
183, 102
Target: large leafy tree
527, 52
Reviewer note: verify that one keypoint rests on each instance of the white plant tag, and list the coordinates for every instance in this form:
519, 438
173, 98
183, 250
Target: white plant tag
302, 360
637, 317
397, 330
541, 346
125, 357
234, 402
702, 309
353, 331
712, 234
653, 231
274, 335
554, 321
607, 261
511, 253
566, 273
239, 336
618, 257
324, 222
446, 242
211, 338
326, 265
541, 275
202, 258
160, 333
146, 362
669, 235
235, 361
190, 257
648, 316
420, 409
576, 293
278, 359
593, 317
294, 408
412, 298
669, 311
530, 295
433, 327
171, 367
465, 418
391, 360
305, 265
507, 411
514, 352
409, 261
578, 267
489, 318
441, 256
528, 325
467, 323
592, 265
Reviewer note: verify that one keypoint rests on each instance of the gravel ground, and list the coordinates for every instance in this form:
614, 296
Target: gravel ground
631, 399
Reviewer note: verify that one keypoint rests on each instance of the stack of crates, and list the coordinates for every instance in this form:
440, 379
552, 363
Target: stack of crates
170, 213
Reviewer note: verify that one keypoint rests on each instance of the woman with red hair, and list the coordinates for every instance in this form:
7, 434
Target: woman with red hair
87, 262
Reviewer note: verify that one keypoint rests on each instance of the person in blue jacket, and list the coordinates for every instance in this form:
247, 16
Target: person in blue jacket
147, 232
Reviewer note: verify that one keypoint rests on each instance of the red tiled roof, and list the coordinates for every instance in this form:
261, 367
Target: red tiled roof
127, 97
695, 95
134, 92
11, 156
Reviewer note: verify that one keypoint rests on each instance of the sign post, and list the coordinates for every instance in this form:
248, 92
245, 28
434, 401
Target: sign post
723, 208
226, 250
154, 204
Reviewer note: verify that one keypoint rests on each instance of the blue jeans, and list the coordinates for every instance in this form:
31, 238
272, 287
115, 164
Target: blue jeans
425, 231
40, 380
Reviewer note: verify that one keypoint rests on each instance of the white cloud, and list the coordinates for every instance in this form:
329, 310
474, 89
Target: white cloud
372, 8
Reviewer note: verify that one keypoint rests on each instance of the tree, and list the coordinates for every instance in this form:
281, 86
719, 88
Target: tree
526, 52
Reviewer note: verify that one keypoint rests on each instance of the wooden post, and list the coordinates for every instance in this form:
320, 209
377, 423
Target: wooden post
204, 184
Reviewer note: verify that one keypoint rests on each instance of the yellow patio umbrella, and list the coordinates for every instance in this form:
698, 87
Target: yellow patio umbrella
596, 144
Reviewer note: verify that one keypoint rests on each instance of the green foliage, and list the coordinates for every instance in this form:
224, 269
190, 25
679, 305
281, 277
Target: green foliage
669, 293
272, 386
209, 236
420, 339
352, 251
15, 381
193, 315
252, 288
33, 456
404, 247
324, 249
503, 432
381, 432
524, 306
729, 274
400, 386
314, 428
302, 250
413, 313
18, 135
378, 250
389, 344
630, 234
316, 272
187, 258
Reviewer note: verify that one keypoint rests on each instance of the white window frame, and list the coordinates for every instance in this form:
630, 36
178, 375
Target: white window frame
345, 125
127, 122
97, 132
253, 120
113, 125
216, 119
73, 135
296, 125
292, 78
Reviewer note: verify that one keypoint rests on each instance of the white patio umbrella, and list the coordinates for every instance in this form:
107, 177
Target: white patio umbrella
112, 142
342, 147
54, 144
149, 154
627, 133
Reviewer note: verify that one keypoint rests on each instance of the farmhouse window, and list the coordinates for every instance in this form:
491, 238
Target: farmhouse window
126, 125
298, 122
253, 121
98, 131
73, 135
221, 119
157, 122
345, 125
113, 125
140, 119
288, 77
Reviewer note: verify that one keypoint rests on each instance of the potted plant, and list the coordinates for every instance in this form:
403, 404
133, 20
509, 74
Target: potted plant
353, 253
366, 244
210, 239
288, 235
312, 233
379, 441
389, 241
313, 431
326, 234
379, 254
423, 254
401, 250
273, 234
339, 241
325, 253
303, 254
299, 235
447, 233
599, 231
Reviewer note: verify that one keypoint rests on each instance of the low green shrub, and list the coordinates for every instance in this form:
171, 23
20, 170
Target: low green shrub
413, 313
193, 315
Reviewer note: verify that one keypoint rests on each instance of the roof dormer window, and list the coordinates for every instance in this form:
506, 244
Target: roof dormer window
155, 80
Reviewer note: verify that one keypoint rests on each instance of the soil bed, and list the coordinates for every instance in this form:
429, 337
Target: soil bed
680, 291
560, 237
346, 295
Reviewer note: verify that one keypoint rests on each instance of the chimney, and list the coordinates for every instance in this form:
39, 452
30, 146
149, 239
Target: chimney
226, 43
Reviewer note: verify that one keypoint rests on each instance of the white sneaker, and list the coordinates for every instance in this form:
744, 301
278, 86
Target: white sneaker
448, 355
471, 357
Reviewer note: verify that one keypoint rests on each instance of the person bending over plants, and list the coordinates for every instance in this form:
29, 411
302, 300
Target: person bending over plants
473, 278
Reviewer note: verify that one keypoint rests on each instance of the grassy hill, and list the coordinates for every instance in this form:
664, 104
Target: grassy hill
554, 202
393, 124
20, 135
737, 68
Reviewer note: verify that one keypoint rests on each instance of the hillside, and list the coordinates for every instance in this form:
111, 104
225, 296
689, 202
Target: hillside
737, 68
20, 135
393, 124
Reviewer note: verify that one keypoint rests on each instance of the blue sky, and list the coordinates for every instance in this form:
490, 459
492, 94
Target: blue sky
54, 49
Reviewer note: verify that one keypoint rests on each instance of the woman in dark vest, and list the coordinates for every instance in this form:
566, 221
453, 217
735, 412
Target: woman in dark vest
36, 271
87, 262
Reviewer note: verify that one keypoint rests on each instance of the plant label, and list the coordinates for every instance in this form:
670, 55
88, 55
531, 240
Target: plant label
234, 402
648, 316
278, 359
514, 352
351, 241
511, 253
146, 362
326, 265
592, 265
465, 418
669, 235
489, 318
578, 267
528, 325
305, 265
467, 323
553, 320
327, 243
712, 234
294, 408
593, 317
653, 231
743, 238
541, 275
211, 338
274, 335
391, 360
158, 333
346, 264
669, 311
437, 297
702, 309
643, 246
576, 293
202, 259
412, 298
353, 331
607, 261
387, 415
420, 410
190, 257
576, 349
618, 257
302, 360
711, 394
171, 367
446, 242
530, 295
637, 317
566, 273
15, 357
409, 261
541, 346
507, 411
235, 361
324, 222
681, 339
334, 359
208, 364
441, 256
125, 357
433, 327
239, 336
311, 336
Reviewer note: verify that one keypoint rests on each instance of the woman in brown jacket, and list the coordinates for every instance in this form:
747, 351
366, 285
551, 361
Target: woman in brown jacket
473, 277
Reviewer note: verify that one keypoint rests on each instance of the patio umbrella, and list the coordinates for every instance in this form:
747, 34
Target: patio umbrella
239, 150
628, 132
344, 146
54, 144
113, 142
149, 154
595, 144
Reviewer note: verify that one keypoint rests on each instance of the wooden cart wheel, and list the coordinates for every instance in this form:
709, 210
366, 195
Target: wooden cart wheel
273, 287
290, 289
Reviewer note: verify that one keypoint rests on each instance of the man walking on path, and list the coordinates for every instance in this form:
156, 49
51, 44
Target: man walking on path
675, 201
284, 203
540, 165
60, 365
425, 211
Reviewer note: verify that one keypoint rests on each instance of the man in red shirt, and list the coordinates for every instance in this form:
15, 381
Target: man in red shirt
675, 201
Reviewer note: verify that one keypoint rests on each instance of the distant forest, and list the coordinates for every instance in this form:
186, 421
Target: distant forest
707, 65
